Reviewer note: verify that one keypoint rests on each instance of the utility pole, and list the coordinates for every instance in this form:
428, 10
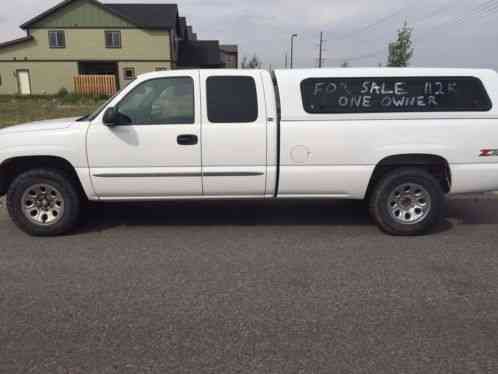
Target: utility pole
286, 62
292, 51
320, 55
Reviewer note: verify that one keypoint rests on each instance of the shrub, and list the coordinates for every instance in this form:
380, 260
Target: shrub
101, 97
63, 92
71, 98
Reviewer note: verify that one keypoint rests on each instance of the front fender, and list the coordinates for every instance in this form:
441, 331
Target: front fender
67, 144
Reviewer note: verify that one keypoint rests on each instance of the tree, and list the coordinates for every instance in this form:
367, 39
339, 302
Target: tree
253, 63
345, 64
401, 50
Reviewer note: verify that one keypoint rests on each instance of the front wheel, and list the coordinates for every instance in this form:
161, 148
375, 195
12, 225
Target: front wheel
407, 202
43, 202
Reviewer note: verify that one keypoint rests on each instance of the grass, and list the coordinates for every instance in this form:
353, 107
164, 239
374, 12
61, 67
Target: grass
21, 109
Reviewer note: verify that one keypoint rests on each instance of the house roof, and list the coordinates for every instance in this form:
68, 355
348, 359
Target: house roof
203, 53
16, 41
146, 16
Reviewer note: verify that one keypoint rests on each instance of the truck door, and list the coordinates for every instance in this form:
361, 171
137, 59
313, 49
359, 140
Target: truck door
156, 153
234, 120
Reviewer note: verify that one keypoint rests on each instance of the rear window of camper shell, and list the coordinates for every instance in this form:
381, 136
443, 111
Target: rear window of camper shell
394, 95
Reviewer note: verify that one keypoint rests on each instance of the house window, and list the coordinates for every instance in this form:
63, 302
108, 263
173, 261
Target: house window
129, 74
113, 39
57, 39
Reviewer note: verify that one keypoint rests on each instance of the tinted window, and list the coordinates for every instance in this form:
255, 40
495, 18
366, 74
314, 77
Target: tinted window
160, 101
232, 100
386, 95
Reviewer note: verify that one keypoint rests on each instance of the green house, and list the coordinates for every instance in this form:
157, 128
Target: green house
86, 37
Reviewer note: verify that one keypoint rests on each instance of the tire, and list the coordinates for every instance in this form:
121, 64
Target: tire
407, 202
44, 202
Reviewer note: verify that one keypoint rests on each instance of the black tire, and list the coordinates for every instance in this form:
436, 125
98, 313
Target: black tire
53, 178
386, 215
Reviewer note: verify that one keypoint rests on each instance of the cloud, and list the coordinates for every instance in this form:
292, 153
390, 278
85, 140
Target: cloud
353, 28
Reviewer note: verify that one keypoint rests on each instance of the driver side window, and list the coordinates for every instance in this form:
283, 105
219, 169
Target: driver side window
160, 102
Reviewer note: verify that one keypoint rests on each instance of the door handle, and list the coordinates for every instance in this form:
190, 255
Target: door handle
187, 139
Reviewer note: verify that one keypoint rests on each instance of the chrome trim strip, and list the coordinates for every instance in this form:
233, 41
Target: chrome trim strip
147, 175
179, 175
233, 174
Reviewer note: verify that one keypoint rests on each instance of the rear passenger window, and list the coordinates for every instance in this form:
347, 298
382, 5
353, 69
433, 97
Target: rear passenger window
232, 99
394, 95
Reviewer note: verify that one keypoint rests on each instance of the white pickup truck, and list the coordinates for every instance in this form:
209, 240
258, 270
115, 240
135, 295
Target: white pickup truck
400, 138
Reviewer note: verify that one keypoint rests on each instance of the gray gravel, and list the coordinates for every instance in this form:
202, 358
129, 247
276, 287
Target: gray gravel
291, 287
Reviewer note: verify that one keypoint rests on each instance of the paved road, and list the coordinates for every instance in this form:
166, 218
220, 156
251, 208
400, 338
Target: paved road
251, 288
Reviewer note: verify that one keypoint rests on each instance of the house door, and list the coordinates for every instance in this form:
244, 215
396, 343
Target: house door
24, 82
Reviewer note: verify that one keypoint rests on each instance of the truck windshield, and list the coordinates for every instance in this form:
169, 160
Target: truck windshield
91, 117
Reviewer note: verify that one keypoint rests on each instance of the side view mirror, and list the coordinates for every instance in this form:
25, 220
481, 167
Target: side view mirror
112, 117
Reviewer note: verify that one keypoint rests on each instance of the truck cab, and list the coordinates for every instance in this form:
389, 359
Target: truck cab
186, 134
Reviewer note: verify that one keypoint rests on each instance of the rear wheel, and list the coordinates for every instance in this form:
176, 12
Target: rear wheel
407, 201
43, 202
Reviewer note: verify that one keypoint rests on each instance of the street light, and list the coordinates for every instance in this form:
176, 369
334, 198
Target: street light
292, 51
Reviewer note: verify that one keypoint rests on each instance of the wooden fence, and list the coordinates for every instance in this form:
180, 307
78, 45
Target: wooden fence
95, 85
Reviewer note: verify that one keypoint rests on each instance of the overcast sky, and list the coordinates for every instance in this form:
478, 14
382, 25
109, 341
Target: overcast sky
460, 33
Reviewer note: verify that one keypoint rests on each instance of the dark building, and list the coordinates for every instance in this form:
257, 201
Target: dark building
229, 55
204, 54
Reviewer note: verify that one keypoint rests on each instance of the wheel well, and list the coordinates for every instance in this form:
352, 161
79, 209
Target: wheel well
435, 165
13, 167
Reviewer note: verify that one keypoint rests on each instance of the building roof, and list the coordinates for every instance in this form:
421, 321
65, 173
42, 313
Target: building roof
229, 48
148, 16
16, 41
190, 33
182, 21
144, 15
202, 53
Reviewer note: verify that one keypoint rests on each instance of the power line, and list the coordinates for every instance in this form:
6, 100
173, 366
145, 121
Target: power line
436, 12
487, 8
375, 24
481, 9
426, 17
360, 57
484, 9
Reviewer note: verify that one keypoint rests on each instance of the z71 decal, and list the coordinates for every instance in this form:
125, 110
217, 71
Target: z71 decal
489, 153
